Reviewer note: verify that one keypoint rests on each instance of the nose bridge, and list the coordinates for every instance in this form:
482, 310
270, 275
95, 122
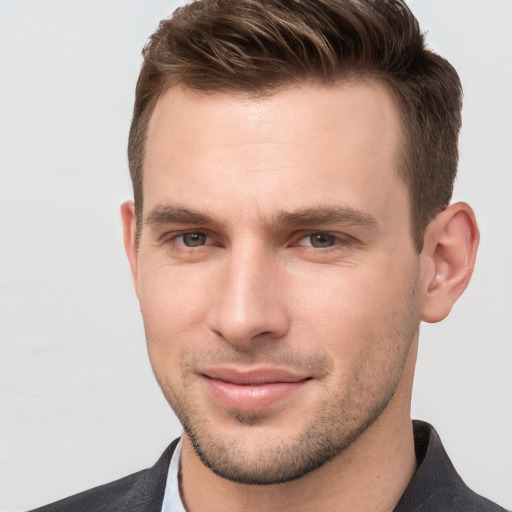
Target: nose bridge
249, 304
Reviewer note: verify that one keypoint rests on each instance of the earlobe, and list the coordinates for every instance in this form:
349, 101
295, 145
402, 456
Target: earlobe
130, 238
449, 255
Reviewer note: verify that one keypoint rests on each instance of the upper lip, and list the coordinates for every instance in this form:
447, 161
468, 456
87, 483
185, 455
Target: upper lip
247, 376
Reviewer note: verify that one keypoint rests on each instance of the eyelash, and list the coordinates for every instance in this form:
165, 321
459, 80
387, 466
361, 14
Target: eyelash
180, 234
342, 241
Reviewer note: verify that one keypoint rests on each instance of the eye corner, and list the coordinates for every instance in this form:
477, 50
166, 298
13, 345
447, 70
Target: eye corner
322, 240
186, 239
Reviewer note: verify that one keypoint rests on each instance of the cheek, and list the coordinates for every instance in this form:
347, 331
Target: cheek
172, 296
349, 312
173, 307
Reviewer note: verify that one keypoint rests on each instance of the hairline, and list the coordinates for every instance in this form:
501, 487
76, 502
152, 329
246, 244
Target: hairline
355, 77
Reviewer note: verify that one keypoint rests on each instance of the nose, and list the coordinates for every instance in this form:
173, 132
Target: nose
249, 304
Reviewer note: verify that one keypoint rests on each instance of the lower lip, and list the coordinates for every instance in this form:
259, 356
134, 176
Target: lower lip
251, 398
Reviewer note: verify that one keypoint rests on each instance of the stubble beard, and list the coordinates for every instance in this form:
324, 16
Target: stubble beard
338, 421
274, 461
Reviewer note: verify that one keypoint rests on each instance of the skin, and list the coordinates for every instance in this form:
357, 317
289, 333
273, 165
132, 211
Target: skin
276, 237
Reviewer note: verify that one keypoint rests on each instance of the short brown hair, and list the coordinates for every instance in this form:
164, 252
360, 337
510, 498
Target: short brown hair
259, 46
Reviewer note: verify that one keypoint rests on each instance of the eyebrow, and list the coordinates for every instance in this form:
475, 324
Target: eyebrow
326, 215
319, 215
169, 214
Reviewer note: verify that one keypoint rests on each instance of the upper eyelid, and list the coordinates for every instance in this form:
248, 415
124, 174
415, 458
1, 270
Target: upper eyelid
292, 239
341, 236
180, 232
170, 240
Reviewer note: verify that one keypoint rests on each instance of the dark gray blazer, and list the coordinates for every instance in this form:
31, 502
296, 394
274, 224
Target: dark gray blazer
435, 487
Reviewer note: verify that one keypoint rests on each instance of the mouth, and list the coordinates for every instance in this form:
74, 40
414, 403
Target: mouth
252, 390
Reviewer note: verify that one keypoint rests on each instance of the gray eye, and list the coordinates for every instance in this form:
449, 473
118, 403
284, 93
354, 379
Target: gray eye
322, 240
194, 239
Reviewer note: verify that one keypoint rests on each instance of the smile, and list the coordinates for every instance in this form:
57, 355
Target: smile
254, 390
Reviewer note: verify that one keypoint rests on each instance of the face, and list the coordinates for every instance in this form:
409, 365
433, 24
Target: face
276, 272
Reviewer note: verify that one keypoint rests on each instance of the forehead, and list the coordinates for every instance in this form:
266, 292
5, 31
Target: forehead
305, 143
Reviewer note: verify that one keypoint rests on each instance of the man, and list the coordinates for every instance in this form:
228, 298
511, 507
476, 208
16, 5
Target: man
292, 165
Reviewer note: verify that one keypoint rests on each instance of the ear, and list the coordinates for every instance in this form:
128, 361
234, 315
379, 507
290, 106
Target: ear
448, 257
130, 239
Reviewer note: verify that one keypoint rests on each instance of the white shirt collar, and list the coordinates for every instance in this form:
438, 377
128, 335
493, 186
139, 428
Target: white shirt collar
172, 499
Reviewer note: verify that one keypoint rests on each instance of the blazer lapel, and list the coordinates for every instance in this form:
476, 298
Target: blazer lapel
147, 493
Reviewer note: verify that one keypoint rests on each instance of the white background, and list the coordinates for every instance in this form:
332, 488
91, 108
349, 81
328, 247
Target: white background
78, 402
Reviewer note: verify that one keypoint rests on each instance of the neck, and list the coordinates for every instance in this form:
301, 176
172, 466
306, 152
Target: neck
370, 475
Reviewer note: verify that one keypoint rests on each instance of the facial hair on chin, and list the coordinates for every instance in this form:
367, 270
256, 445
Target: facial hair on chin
335, 424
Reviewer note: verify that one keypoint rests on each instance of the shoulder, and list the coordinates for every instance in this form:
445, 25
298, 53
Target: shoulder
104, 497
436, 485
141, 491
